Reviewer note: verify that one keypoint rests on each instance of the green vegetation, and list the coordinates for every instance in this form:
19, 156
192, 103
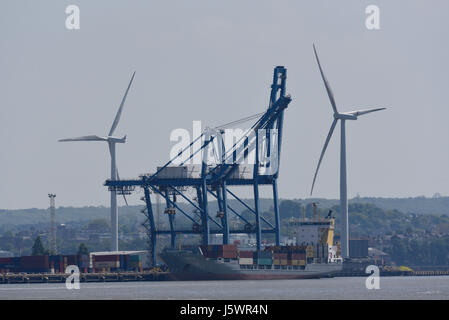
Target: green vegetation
431, 252
82, 249
38, 248
410, 238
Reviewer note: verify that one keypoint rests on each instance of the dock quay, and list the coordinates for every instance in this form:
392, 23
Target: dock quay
84, 277
395, 273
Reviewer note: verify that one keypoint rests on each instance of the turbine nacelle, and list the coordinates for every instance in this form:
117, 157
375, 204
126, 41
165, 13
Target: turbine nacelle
344, 116
116, 139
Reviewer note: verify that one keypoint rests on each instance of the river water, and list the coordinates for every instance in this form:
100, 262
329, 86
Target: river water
328, 289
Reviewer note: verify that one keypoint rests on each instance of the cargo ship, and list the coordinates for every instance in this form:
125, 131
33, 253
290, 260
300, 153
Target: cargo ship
313, 256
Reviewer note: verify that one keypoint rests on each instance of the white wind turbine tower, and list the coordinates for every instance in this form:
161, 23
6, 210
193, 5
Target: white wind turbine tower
342, 116
111, 140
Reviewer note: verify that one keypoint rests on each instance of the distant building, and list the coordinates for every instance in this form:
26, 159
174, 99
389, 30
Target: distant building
378, 256
358, 248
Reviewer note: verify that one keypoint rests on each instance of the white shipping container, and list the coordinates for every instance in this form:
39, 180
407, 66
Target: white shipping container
245, 260
172, 172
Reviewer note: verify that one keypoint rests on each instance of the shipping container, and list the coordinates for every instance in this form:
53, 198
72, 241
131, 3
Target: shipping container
298, 256
134, 257
6, 261
109, 257
246, 254
280, 256
84, 261
246, 261
106, 264
172, 172
230, 255
264, 261
34, 263
263, 254
310, 251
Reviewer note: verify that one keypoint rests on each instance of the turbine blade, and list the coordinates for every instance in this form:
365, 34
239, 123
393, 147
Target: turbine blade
326, 84
329, 135
365, 111
85, 138
119, 112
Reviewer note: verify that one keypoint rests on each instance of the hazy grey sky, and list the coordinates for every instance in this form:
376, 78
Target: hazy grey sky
213, 61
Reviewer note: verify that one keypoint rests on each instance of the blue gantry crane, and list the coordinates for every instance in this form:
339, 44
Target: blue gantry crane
251, 161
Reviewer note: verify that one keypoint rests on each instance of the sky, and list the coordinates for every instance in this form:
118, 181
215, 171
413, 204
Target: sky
213, 61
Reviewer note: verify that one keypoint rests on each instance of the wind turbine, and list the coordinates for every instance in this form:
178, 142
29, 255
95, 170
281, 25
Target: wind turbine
342, 116
111, 140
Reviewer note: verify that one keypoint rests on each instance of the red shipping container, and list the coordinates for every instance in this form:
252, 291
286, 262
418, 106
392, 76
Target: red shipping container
109, 257
32, 262
246, 254
229, 247
298, 256
230, 255
5, 260
280, 256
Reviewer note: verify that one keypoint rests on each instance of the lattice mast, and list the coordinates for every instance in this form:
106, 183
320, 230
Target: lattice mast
52, 223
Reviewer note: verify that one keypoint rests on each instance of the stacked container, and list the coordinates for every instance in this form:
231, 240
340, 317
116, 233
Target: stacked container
71, 259
298, 259
246, 257
263, 258
106, 262
228, 251
9, 264
56, 263
84, 262
35, 264
310, 252
134, 263
280, 259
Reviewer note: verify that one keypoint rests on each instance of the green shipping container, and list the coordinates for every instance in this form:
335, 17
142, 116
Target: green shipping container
134, 258
264, 261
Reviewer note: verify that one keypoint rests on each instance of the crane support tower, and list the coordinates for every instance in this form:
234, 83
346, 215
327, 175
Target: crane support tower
252, 162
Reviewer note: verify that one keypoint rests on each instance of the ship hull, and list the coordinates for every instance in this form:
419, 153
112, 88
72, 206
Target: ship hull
239, 276
184, 265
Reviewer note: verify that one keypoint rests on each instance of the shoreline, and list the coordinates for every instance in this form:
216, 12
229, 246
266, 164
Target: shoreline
15, 278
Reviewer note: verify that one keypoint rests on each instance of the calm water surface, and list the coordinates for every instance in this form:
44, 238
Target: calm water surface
335, 288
